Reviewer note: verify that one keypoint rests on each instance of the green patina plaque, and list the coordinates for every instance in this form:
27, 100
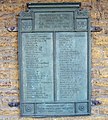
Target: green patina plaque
54, 60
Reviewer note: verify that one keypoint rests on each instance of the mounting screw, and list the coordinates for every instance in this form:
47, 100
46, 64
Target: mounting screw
95, 102
95, 29
14, 104
12, 29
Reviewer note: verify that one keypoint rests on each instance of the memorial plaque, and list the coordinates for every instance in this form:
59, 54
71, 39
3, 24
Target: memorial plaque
54, 60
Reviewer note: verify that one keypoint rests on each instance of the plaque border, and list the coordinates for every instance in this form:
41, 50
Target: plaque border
23, 16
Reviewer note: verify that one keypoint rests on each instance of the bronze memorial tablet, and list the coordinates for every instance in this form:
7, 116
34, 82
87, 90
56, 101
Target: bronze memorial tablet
54, 60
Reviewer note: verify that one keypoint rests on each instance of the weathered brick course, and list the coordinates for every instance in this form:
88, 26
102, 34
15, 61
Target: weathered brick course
99, 63
101, 40
96, 53
105, 50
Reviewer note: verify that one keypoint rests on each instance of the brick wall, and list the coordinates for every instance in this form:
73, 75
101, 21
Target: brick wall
9, 80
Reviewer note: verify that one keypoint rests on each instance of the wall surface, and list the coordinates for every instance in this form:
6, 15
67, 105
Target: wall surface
9, 79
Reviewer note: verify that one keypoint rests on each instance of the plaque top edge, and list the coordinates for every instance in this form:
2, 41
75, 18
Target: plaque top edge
70, 4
